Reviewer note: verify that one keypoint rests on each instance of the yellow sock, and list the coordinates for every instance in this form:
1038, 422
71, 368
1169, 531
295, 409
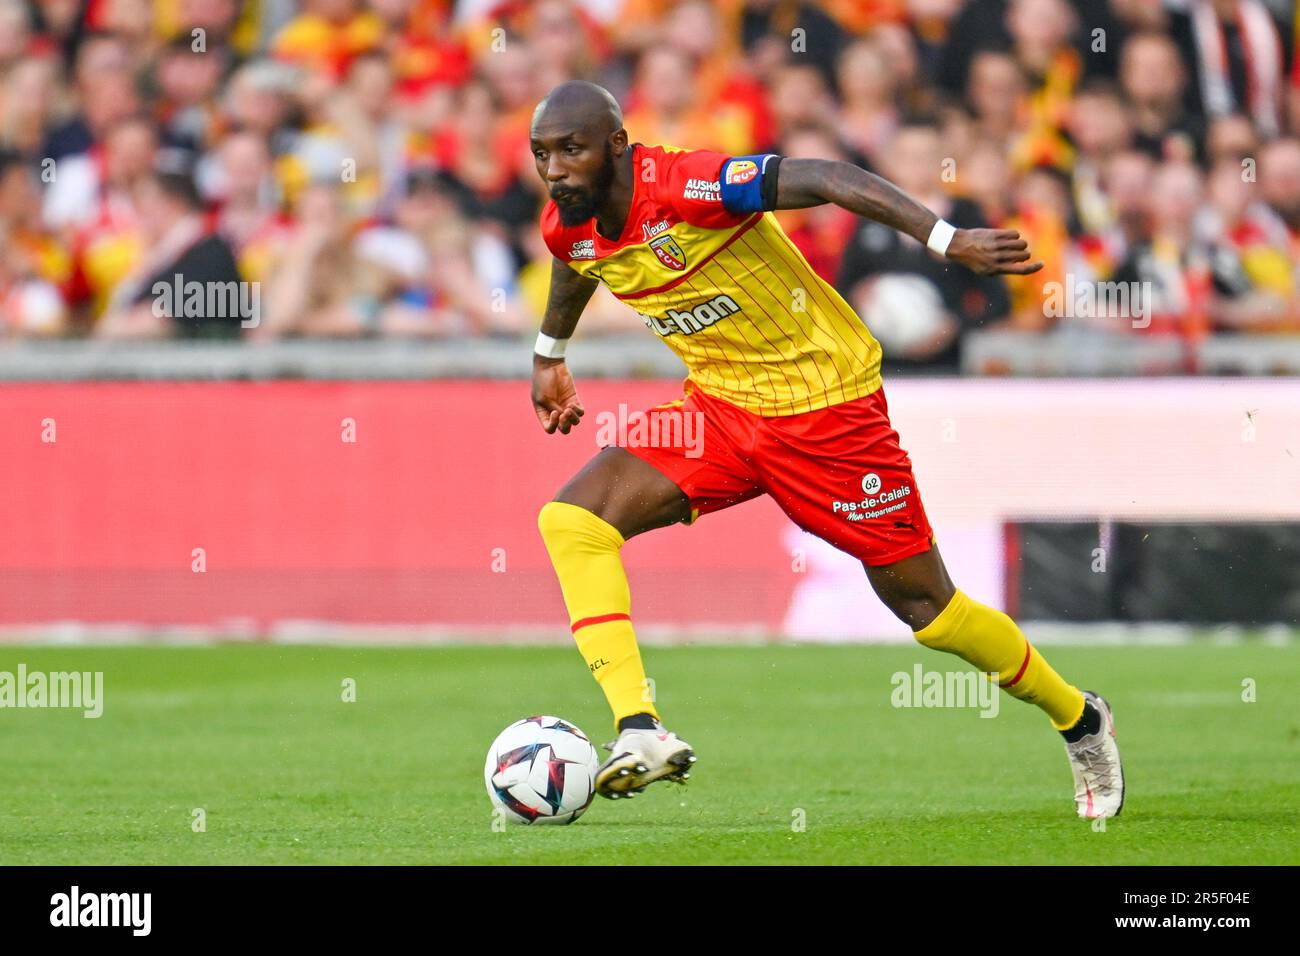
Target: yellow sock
990, 640
585, 552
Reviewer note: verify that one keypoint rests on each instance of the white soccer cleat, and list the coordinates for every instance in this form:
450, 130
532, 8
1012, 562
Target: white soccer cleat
639, 758
1094, 760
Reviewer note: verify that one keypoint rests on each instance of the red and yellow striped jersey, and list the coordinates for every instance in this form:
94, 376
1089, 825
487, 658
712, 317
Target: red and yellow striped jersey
718, 280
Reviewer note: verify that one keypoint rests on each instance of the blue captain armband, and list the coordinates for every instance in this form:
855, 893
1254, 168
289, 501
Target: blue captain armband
748, 183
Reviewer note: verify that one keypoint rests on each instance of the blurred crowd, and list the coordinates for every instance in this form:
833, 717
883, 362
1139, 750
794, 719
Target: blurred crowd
364, 164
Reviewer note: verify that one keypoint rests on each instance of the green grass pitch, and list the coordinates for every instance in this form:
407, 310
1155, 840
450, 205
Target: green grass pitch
286, 772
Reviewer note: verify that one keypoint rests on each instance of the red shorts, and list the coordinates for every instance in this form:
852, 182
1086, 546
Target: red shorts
838, 472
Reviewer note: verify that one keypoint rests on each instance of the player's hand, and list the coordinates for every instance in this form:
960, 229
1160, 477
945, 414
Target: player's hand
555, 399
992, 252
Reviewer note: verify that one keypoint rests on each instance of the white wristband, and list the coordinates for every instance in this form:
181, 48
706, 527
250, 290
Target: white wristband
940, 236
548, 347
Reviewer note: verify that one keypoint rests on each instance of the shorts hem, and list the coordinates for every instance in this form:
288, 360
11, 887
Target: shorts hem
913, 549
657, 463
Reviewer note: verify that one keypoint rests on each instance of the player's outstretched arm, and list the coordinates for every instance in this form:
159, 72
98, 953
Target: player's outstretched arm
555, 398
810, 182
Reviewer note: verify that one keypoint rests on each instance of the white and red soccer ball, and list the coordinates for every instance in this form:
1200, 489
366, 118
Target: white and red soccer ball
541, 770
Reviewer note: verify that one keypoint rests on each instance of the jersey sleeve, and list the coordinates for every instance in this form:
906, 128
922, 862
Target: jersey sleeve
716, 190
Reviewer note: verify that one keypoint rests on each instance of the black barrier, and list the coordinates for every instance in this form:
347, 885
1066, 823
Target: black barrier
1195, 573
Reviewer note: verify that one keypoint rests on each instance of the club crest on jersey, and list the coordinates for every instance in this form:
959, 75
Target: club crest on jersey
669, 252
741, 171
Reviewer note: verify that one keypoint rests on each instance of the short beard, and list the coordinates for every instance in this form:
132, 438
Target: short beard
590, 201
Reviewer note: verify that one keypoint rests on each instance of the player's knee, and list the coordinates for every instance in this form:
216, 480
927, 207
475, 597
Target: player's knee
564, 526
552, 522
931, 626
918, 613
917, 604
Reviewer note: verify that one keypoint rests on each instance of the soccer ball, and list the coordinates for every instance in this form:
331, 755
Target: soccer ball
541, 770
902, 311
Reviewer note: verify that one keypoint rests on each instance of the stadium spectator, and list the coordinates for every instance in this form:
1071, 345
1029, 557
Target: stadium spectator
946, 302
244, 194
1279, 181
185, 282
768, 34
1231, 137
1127, 181
327, 35
29, 90
931, 24
898, 44
1041, 34
374, 135
35, 265
486, 161
1171, 268
231, 23
722, 76
997, 95
98, 184
104, 91
983, 175
189, 85
15, 33
563, 42
1237, 63
450, 278
665, 106
320, 286
1154, 80
869, 93
1099, 128
1042, 217
1252, 274
260, 97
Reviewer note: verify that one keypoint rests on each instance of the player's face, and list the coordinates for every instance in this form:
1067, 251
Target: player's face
578, 169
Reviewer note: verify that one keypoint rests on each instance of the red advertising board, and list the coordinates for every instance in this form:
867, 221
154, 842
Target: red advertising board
350, 502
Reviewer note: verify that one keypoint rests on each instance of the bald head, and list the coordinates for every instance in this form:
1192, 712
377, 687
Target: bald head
578, 141
578, 105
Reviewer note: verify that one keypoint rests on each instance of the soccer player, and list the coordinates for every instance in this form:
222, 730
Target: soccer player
786, 381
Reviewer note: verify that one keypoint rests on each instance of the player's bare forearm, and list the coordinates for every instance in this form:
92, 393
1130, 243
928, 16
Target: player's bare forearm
810, 182
570, 292
555, 398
